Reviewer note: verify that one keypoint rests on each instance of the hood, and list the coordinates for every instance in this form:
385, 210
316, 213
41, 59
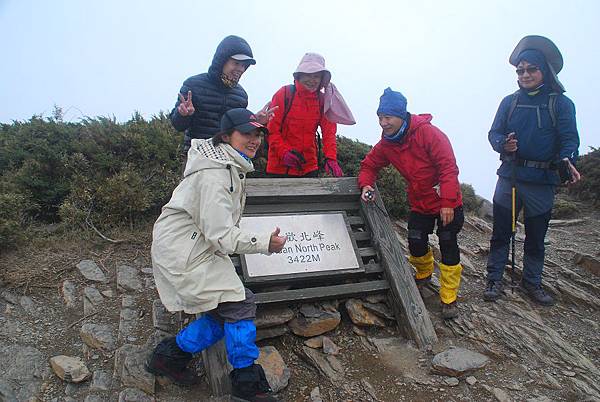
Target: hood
228, 47
204, 155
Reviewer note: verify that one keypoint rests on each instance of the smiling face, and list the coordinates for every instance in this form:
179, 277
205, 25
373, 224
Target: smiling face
529, 76
246, 143
233, 69
390, 124
311, 81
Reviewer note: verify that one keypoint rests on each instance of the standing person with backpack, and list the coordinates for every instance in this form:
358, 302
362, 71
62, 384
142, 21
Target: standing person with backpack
535, 133
299, 110
423, 155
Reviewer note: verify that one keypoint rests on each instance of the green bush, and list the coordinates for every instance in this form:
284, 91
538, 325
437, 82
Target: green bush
471, 202
588, 189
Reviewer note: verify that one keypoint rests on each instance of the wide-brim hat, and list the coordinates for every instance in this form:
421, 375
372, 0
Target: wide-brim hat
241, 120
547, 48
313, 63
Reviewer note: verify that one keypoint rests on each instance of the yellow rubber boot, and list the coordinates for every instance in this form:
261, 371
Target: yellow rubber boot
449, 282
423, 265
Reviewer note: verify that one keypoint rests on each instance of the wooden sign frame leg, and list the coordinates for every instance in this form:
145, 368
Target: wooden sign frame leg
408, 305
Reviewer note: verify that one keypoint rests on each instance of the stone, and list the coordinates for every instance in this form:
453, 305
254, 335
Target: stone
315, 395
23, 371
98, 336
361, 316
310, 310
568, 373
455, 362
128, 278
276, 371
554, 223
327, 365
69, 294
377, 298
28, 305
499, 394
271, 332
155, 339
70, 369
120, 355
313, 326
92, 299
101, 381
471, 380
272, 316
315, 343
539, 399
94, 398
369, 389
587, 262
108, 293
451, 381
127, 301
161, 317
134, 372
134, 395
148, 270
127, 321
358, 331
330, 348
91, 271
380, 309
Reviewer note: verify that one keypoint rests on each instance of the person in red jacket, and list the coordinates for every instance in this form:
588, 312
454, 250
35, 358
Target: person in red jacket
299, 111
423, 155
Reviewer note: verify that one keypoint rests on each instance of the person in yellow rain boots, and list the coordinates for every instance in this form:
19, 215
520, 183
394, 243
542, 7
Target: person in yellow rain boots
424, 157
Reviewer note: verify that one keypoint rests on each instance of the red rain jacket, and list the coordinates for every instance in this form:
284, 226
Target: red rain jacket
299, 132
426, 161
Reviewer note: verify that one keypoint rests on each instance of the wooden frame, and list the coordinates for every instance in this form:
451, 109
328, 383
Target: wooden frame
387, 270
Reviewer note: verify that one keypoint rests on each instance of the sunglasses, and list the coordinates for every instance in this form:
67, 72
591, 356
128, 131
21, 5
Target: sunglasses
530, 70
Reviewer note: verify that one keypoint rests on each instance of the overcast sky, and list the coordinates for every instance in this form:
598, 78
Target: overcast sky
449, 58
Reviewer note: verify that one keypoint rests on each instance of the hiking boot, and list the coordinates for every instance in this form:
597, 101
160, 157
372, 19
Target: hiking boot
493, 291
423, 281
537, 294
250, 384
449, 311
170, 361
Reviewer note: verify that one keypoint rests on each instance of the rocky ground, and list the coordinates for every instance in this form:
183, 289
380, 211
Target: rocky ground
78, 317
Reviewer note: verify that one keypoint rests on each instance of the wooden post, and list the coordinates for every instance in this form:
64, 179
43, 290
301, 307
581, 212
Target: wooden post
217, 369
409, 307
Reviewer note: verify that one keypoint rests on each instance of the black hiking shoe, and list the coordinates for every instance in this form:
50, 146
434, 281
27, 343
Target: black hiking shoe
423, 281
450, 310
168, 360
493, 291
250, 384
537, 294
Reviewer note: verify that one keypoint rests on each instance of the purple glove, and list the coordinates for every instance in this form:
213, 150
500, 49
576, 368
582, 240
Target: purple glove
293, 159
333, 168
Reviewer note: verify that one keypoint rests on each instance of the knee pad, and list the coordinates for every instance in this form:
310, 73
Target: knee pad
418, 242
200, 334
240, 338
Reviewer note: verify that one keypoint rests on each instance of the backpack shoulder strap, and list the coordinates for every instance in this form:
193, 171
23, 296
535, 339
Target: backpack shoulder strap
513, 105
552, 107
290, 92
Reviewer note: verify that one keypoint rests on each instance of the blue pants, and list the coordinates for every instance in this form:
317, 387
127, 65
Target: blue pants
232, 320
536, 226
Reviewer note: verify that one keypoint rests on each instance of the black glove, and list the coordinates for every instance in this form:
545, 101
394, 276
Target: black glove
564, 172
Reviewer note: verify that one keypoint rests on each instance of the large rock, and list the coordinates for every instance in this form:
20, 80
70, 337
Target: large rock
134, 395
98, 336
313, 326
161, 318
128, 278
69, 294
271, 332
101, 381
272, 316
91, 271
128, 319
70, 369
92, 299
329, 347
455, 362
277, 372
361, 316
134, 373
588, 262
23, 370
327, 365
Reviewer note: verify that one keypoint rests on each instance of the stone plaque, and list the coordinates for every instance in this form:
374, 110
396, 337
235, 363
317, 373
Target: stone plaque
315, 243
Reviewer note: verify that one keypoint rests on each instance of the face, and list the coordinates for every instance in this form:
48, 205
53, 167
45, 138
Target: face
390, 124
312, 81
247, 143
529, 75
233, 69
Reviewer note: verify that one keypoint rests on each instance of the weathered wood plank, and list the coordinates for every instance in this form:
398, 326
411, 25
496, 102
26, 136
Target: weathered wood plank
322, 292
409, 307
312, 187
370, 270
217, 368
361, 236
300, 207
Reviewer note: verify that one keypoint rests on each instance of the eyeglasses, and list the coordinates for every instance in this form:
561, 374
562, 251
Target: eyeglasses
530, 70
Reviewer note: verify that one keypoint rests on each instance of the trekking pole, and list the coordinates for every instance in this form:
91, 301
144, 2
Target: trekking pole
514, 222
